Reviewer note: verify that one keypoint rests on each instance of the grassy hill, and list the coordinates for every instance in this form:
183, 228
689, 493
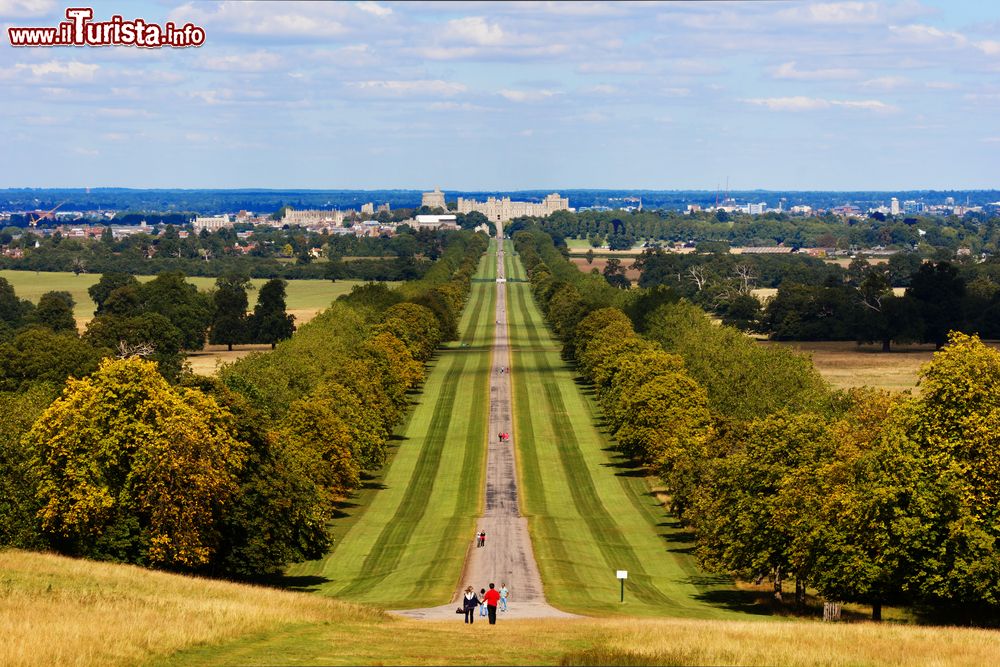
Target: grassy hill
60, 611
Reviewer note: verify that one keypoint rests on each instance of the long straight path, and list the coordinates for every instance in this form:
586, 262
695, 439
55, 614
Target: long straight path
507, 558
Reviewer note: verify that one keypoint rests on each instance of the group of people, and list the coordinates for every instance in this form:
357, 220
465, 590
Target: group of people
481, 539
504, 369
487, 602
504, 436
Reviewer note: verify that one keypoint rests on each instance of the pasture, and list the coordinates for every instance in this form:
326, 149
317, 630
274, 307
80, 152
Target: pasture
600, 263
403, 538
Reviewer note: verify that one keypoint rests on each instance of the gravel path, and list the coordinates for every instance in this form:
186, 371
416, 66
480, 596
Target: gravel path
507, 557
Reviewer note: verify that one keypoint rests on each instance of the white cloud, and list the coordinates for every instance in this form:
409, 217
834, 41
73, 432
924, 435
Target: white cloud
373, 8
528, 95
409, 88
790, 70
614, 67
990, 47
475, 30
831, 13
63, 70
601, 89
925, 35
886, 82
25, 8
264, 18
801, 103
253, 61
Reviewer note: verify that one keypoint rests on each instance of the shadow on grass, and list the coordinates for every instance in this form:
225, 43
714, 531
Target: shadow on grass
302, 584
747, 602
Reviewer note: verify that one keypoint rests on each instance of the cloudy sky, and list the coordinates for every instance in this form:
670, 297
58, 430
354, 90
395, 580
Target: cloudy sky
775, 95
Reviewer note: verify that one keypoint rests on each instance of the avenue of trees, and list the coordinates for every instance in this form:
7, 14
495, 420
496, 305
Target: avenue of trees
861, 496
139, 462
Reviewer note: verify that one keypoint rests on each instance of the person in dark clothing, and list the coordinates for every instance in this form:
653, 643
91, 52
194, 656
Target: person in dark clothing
469, 604
492, 597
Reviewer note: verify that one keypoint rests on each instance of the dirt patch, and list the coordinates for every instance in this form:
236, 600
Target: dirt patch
600, 262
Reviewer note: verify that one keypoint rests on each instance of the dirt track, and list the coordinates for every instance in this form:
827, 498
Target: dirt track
507, 557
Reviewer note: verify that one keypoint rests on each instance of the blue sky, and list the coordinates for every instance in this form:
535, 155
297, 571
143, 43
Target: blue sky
774, 95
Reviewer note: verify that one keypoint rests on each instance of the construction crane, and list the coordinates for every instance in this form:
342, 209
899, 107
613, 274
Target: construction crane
33, 221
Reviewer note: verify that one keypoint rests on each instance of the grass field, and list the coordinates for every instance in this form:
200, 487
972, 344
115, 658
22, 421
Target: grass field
403, 541
600, 263
305, 297
61, 611
590, 514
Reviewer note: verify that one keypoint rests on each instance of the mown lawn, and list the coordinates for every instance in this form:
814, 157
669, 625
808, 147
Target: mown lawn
403, 540
590, 512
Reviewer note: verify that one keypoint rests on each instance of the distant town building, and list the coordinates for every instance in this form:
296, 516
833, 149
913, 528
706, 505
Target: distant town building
384, 208
433, 199
212, 223
912, 206
502, 210
312, 217
368, 209
894, 206
433, 222
755, 209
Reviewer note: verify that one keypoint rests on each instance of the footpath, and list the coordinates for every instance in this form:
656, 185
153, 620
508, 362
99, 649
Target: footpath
507, 557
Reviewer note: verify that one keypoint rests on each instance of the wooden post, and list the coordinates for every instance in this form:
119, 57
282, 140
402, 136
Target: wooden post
831, 611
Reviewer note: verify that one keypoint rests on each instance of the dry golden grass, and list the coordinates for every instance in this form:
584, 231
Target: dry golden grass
60, 611
600, 262
846, 364
683, 642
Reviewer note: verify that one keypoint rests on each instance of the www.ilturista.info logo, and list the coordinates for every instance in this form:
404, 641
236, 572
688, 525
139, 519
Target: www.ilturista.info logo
79, 30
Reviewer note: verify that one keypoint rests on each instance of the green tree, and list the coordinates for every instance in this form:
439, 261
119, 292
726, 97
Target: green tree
149, 335
55, 311
133, 469
190, 311
270, 321
229, 319
109, 282
41, 355
322, 442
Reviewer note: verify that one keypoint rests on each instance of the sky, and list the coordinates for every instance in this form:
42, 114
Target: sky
852, 95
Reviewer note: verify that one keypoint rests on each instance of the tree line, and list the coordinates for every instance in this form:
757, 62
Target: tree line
261, 252
237, 475
860, 496
926, 234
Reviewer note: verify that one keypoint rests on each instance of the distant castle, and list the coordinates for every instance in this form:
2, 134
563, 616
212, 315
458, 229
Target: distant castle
500, 210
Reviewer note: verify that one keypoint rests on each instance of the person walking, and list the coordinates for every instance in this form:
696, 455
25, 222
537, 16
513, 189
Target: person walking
482, 603
469, 604
503, 597
492, 597
483, 536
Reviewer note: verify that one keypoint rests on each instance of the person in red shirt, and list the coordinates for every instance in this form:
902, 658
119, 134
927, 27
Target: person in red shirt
492, 597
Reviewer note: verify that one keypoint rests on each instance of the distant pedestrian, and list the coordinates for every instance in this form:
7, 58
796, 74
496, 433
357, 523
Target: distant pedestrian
469, 604
492, 596
503, 597
500, 436
483, 536
482, 602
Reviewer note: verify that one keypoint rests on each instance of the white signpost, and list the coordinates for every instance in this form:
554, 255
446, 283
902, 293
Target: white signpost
622, 576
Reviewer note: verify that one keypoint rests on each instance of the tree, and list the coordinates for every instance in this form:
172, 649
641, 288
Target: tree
133, 469
322, 442
614, 273
101, 290
229, 320
590, 255
190, 311
41, 355
939, 291
270, 322
150, 335
55, 311
416, 326
13, 311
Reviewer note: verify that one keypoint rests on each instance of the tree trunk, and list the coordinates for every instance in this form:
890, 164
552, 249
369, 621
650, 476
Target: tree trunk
273, 345
885, 344
777, 583
800, 593
230, 346
876, 611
